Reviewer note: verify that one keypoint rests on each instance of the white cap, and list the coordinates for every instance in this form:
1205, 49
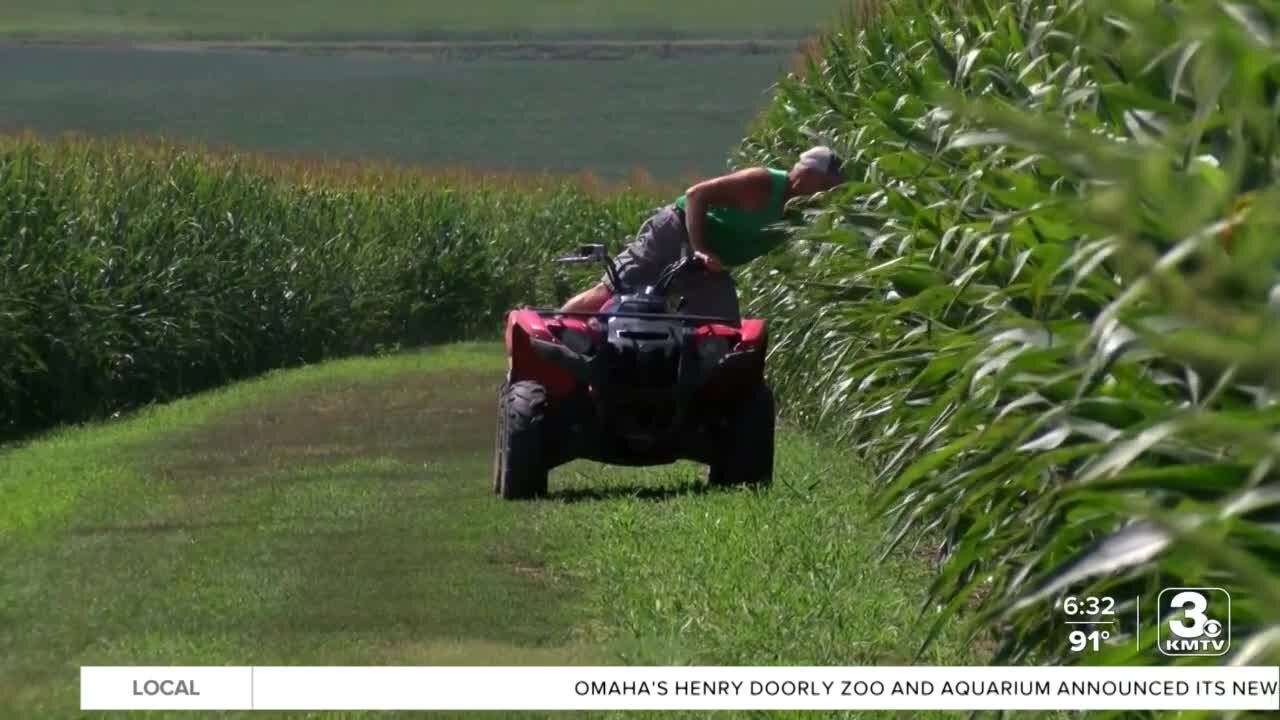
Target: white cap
821, 158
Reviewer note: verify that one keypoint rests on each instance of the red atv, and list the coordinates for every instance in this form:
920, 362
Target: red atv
632, 384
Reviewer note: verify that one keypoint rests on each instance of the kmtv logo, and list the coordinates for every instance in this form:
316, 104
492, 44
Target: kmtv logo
1194, 621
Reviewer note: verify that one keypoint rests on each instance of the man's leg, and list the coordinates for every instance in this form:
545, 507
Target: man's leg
656, 245
589, 300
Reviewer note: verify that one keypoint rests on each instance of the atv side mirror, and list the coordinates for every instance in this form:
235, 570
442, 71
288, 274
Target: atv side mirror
585, 254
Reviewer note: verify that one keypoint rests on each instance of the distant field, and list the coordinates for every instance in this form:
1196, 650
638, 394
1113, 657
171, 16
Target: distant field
673, 117
416, 19
412, 81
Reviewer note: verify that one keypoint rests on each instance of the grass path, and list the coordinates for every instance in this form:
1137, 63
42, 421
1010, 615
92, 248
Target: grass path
341, 514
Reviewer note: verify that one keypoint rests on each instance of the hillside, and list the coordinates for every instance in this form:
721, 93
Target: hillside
412, 20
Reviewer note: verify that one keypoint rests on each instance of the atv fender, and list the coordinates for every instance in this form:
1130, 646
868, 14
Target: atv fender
561, 356
525, 363
755, 335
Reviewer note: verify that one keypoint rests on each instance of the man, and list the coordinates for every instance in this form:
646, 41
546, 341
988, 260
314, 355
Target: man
727, 221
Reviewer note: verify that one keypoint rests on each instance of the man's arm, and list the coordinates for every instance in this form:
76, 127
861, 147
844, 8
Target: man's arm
733, 190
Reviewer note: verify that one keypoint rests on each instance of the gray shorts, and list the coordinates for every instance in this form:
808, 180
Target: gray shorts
659, 243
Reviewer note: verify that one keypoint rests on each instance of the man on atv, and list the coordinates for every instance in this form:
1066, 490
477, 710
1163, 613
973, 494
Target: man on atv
727, 221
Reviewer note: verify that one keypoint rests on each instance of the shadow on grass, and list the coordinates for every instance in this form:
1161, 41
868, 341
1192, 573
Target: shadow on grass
629, 492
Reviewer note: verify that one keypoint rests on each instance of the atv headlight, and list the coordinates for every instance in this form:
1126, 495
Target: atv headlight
712, 350
577, 341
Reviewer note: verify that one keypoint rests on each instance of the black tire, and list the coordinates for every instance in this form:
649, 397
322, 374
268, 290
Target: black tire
500, 439
520, 470
745, 452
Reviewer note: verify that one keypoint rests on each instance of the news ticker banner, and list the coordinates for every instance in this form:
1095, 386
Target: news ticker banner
680, 688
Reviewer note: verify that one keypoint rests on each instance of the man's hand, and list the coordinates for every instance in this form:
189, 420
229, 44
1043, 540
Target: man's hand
709, 261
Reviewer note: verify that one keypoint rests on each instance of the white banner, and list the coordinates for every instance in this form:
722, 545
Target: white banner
679, 688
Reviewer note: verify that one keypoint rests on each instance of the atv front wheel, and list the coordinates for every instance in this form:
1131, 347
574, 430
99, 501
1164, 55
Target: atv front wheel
745, 452
520, 470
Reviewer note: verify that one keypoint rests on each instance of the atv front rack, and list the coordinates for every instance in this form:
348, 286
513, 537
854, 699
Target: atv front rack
646, 316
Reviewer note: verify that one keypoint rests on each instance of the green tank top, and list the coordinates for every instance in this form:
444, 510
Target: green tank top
737, 237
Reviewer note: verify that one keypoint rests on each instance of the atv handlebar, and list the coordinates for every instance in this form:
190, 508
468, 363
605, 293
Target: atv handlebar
596, 253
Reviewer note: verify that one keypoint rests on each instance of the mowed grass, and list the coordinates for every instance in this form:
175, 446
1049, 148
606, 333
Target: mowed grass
687, 574
673, 118
341, 514
412, 18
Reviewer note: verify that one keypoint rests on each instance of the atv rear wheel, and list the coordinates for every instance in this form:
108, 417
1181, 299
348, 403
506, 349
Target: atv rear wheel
500, 439
745, 452
520, 470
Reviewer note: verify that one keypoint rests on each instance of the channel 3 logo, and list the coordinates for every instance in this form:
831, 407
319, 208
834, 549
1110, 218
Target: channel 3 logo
1194, 621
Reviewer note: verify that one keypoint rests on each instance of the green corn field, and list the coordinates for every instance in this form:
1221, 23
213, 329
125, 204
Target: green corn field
131, 273
1046, 310
1046, 307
